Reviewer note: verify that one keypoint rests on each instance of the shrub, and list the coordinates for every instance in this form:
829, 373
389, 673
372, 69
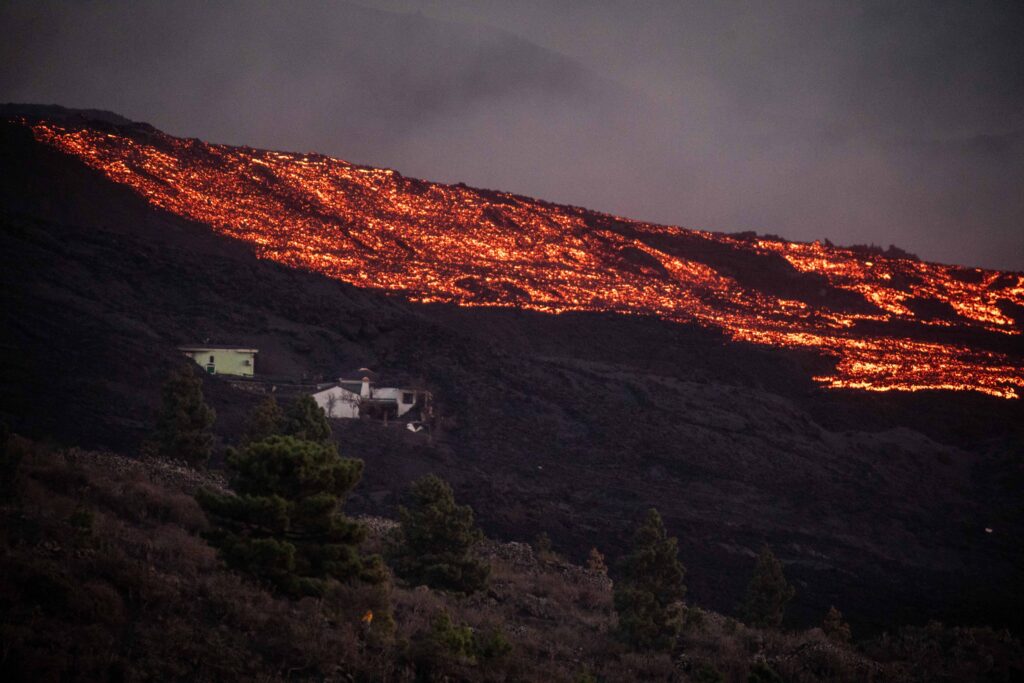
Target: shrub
649, 593
834, 627
491, 644
707, 673
285, 525
435, 539
542, 545
762, 673
595, 562
768, 592
82, 519
183, 425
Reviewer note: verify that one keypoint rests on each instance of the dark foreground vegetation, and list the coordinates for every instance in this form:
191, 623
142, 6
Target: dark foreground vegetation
107, 575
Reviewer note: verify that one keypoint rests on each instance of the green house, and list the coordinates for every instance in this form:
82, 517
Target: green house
223, 360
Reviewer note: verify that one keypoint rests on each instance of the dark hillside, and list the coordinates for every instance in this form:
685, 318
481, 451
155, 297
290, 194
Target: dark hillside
569, 424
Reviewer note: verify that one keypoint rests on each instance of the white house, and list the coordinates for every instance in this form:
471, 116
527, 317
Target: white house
361, 397
338, 402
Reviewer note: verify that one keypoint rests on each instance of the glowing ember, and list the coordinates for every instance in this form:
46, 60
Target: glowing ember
893, 324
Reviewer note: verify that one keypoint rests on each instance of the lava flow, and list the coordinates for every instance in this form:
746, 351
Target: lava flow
891, 323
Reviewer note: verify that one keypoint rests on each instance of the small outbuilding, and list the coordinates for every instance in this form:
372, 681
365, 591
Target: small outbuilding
219, 359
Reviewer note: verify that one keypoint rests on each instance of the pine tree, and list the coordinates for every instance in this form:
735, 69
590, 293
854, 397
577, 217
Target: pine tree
266, 419
183, 425
305, 420
768, 592
435, 541
285, 525
834, 627
649, 594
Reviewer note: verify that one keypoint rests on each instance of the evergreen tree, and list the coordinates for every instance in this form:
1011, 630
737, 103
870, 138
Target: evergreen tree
183, 425
266, 420
435, 540
306, 420
834, 627
768, 592
649, 594
285, 526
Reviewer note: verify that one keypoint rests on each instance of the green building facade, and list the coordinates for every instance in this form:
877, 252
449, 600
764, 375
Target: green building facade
223, 360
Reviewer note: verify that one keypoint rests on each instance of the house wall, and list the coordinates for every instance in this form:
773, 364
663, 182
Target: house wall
225, 361
397, 395
346, 404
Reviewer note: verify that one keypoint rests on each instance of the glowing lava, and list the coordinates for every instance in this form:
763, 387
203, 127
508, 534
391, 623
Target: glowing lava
892, 324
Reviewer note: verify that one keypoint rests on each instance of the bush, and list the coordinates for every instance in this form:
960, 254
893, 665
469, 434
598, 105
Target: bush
834, 627
542, 545
707, 673
434, 543
762, 673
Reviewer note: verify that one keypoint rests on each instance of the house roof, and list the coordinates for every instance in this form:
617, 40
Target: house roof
218, 347
332, 387
354, 387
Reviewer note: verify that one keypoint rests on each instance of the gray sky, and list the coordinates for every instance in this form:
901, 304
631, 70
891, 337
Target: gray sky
854, 121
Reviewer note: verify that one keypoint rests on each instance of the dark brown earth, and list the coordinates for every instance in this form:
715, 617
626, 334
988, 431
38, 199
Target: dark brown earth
568, 424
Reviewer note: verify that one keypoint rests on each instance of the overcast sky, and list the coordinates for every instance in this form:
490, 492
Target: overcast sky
883, 122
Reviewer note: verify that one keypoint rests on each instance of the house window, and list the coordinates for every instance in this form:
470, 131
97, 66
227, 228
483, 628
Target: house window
408, 397
211, 359
246, 362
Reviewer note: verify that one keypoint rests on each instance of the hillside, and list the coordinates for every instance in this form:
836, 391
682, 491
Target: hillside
572, 423
890, 322
104, 576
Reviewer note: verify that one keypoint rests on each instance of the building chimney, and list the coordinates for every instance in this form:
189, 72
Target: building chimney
364, 391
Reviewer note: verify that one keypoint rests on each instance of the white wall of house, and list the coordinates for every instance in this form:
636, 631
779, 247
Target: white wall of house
405, 398
338, 402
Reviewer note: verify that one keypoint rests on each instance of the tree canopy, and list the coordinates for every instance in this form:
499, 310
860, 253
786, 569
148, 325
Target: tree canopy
285, 525
266, 419
435, 540
183, 425
768, 592
649, 593
306, 420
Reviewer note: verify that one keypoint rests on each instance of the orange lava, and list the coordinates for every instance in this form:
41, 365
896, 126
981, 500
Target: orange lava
440, 243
